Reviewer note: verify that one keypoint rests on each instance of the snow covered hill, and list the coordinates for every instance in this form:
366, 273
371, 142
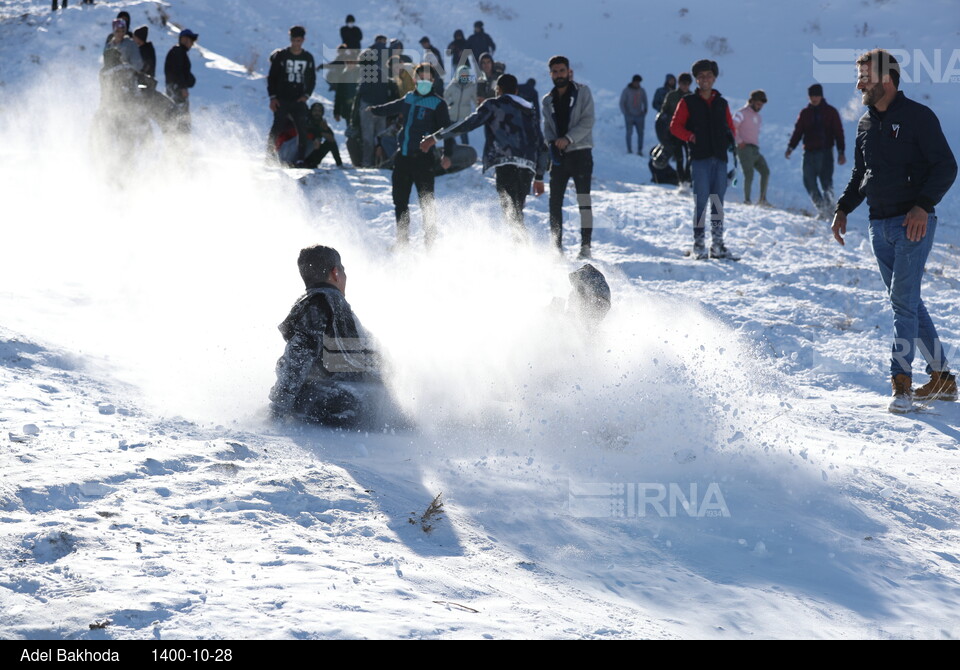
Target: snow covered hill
717, 462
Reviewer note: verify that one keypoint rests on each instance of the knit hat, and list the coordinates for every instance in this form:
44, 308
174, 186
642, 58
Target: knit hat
815, 89
141, 33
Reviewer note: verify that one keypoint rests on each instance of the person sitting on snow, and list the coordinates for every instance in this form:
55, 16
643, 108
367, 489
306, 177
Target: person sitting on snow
328, 373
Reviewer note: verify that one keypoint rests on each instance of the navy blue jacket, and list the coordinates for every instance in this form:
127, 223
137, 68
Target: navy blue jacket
901, 159
421, 115
512, 132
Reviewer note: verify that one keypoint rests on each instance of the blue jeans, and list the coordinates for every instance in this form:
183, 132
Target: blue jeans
632, 122
901, 265
818, 166
709, 186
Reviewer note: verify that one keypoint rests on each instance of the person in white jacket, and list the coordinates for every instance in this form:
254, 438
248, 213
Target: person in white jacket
461, 97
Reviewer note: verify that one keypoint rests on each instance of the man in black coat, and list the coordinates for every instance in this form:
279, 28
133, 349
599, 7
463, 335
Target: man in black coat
290, 83
350, 34
480, 42
903, 166
180, 79
456, 49
147, 53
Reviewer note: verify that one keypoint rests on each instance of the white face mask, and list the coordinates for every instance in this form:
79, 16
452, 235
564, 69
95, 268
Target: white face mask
424, 86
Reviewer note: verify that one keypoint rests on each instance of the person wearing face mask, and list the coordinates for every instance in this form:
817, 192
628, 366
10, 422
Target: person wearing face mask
461, 97
350, 34
422, 112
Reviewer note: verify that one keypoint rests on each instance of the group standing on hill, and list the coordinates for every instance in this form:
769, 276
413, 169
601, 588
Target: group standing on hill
903, 165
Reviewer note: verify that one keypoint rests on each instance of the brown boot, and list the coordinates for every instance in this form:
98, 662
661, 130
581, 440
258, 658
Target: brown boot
902, 395
942, 386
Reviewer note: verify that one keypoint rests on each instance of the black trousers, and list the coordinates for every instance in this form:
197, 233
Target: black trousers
577, 165
298, 112
409, 171
327, 146
682, 157
513, 186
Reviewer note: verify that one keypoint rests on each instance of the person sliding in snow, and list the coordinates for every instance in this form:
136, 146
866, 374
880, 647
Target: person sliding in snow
328, 372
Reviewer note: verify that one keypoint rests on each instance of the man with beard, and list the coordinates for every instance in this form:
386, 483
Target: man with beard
903, 166
568, 119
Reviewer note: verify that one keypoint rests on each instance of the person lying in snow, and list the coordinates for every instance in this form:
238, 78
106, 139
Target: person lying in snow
329, 372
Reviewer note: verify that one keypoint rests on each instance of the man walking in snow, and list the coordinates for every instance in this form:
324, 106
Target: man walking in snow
633, 106
180, 79
747, 123
421, 112
514, 146
819, 126
903, 166
703, 121
568, 119
290, 83
480, 42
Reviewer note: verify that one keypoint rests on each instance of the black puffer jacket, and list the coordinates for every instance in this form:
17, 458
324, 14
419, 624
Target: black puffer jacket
901, 159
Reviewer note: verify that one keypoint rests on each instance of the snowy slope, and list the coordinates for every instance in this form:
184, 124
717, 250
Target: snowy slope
139, 298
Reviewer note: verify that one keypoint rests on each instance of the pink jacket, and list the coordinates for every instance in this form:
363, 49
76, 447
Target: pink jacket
747, 123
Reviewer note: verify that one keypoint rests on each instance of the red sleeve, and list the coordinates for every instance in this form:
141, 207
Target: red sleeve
733, 129
678, 124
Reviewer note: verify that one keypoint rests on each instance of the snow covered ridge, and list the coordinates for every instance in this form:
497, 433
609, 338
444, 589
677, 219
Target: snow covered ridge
142, 487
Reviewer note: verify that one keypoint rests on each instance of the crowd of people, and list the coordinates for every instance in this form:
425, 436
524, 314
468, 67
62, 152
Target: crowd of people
903, 165
129, 98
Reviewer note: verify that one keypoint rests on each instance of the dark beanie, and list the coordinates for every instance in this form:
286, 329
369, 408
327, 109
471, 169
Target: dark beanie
815, 89
141, 33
